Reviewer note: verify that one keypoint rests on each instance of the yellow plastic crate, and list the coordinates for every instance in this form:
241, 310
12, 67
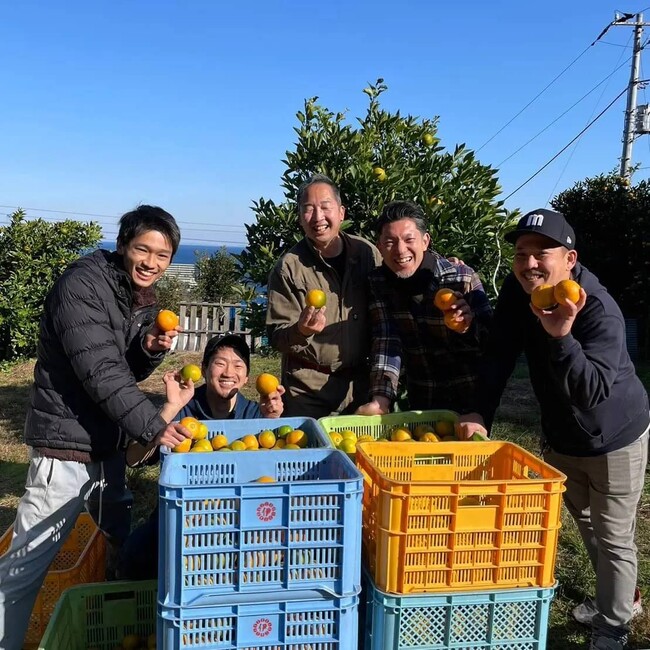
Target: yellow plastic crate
380, 426
81, 559
450, 516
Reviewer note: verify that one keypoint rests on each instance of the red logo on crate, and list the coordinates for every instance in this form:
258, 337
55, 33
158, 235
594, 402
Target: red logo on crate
262, 627
266, 511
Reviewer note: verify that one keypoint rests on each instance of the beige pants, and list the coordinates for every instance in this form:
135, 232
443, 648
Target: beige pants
602, 495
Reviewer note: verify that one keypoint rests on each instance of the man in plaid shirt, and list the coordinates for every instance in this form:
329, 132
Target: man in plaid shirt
408, 332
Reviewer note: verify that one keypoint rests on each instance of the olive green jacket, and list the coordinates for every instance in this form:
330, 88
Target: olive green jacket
330, 361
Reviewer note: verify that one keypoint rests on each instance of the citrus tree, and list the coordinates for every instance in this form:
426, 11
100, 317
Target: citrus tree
610, 218
378, 158
217, 276
33, 254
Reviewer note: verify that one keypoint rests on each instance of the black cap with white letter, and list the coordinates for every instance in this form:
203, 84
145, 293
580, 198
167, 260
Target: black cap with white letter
545, 222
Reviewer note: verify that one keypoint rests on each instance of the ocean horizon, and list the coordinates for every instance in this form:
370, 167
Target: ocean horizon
187, 253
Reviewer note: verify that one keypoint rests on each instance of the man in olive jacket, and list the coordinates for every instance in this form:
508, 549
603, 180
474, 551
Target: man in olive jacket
97, 339
324, 350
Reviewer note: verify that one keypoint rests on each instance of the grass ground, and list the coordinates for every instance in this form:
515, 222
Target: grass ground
517, 421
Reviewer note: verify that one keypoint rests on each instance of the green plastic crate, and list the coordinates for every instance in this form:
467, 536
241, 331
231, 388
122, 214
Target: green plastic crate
380, 426
100, 615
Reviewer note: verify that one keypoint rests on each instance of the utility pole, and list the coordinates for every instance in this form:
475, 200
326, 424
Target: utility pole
630, 111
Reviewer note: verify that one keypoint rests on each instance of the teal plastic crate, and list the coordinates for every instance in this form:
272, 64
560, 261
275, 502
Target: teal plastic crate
504, 619
268, 623
223, 533
100, 615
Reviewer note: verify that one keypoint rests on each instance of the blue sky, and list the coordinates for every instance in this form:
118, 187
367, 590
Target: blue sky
191, 104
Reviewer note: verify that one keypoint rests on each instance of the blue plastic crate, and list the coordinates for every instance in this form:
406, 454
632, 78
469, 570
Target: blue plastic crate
236, 429
323, 624
224, 533
504, 619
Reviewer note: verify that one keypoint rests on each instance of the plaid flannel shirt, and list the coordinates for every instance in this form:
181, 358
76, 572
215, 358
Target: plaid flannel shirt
409, 335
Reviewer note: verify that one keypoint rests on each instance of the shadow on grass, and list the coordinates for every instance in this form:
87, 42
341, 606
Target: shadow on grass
14, 401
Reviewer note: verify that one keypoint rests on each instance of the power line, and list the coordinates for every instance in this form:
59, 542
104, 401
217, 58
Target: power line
539, 94
561, 151
106, 216
523, 146
570, 157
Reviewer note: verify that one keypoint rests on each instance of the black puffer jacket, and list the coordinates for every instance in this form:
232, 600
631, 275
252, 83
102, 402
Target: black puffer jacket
90, 356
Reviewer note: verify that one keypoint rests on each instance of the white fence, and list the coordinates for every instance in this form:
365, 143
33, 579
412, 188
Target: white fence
203, 320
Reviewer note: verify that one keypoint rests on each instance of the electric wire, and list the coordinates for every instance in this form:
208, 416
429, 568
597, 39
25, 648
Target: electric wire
561, 151
539, 94
575, 148
523, 146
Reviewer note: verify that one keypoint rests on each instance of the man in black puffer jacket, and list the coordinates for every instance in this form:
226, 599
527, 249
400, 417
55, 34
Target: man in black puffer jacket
97, 339
594, 409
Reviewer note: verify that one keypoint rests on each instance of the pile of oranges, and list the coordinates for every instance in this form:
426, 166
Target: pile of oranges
284, 437
440, 431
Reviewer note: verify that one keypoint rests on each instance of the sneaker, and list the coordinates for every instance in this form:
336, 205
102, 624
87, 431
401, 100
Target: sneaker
585, 612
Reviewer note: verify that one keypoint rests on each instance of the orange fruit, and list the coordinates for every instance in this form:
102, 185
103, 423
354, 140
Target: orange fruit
280, 443
219, 442
251, 441
400, 434
297, 437
202, 445
265, 479
282, 431
289, 445
444, 299
192, 425
183, 446
238, 445
316, 298
429, 437
266, 439
543, 296
365, 438
348, 445
336, 438
203, 431
266, 384
427, 139
191, 371
567, 290
421, 429
379, 173
167, 320
444, 428
347, 434
453, 324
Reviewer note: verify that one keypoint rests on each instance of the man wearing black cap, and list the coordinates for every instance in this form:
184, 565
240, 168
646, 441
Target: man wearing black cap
594, 409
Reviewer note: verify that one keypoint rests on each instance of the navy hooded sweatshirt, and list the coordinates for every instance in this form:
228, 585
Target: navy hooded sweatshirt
591, 400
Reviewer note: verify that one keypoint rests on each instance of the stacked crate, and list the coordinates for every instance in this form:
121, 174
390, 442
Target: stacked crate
80, 560
459, 542
250, 564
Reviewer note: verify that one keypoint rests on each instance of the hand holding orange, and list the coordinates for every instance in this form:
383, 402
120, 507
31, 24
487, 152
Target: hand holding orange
316, 298
543, 296
266, 384
167, 320
567, 290
191, 371
444, 299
